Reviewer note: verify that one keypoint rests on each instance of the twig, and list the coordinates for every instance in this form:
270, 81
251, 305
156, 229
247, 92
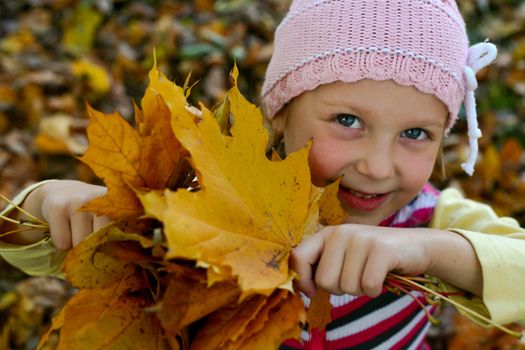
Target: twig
31, 216
15, 231
33, 221
393, 283
418, 286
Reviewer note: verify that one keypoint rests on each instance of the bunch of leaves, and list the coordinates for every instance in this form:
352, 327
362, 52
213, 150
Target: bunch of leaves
190, 263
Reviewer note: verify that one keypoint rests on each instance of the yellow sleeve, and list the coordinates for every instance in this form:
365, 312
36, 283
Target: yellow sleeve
499, 243
37, 259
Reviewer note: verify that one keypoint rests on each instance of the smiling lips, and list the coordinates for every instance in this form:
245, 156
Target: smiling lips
361, 201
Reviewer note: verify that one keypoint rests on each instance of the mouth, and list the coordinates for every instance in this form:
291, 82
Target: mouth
361, 201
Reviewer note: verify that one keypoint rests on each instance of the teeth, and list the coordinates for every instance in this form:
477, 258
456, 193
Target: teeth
360, 195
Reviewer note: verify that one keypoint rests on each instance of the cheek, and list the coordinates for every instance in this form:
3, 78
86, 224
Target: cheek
326, 161
417, 172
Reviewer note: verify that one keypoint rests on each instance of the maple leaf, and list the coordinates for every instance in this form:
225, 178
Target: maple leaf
93, 264
128, 159
183, 304
259, 322
318, 315
110, 318
236, 224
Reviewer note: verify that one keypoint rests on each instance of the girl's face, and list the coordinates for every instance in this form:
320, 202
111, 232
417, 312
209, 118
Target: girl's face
383, 138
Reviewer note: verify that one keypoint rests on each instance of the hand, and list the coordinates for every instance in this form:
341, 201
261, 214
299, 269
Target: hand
57, 203
355, 259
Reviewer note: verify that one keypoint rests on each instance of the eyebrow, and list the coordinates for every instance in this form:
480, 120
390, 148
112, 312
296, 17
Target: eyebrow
425, 120
348, 105
421, 120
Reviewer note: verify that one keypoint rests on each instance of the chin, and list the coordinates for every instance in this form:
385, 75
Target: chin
372, 219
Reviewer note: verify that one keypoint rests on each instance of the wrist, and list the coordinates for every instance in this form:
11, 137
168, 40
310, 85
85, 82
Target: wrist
453, 259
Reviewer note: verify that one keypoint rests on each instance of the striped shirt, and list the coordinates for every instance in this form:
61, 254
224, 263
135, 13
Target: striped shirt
389, 321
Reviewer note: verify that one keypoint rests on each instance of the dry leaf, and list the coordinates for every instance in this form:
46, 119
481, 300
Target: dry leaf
187, 300
331, 211
97, 77
258, 323
89, 265
235, 217
128, 160
111, 318
318, 315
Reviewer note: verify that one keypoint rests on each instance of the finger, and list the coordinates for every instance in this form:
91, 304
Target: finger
99, 222
374, 273
81, 226
330, 266
353, 266
303, 259
59, 228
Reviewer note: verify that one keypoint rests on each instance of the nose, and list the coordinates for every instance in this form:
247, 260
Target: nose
377, 162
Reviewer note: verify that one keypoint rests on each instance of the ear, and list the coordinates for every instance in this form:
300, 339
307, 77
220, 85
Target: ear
279, 121
275, 127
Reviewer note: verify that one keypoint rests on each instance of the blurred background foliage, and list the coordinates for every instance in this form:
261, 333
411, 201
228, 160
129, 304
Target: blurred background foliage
56, 55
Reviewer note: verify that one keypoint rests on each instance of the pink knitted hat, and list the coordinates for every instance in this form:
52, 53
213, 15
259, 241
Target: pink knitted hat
420, 43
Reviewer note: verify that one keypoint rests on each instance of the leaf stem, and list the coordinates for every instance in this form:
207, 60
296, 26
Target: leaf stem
15, 231
33, 222
456, 304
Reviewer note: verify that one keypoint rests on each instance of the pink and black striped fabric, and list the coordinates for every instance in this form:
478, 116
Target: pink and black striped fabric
389, 321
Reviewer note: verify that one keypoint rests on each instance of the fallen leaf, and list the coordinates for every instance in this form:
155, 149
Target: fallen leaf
89, 265
511, 153
331, 211
79, 29
128, 159
187, 300
319, 310
97, 77
111, 318
236, 217
258, 323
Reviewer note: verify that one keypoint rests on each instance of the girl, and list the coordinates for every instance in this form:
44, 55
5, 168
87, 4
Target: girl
377, 85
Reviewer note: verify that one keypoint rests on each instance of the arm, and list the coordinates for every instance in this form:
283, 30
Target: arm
499, 243
355, 259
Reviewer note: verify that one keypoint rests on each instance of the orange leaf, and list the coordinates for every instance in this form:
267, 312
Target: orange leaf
318, 315
89, 265
284, 322
187, 300
112, 318
511, 152
257, 323
128, 159
56, 325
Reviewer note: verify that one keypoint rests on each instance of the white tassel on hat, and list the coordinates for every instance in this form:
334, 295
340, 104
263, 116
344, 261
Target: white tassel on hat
479, 56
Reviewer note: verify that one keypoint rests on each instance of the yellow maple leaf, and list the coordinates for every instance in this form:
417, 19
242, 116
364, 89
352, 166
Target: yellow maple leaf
250, 211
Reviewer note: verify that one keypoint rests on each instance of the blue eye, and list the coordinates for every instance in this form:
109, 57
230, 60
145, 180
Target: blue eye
416, 134
348, 121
